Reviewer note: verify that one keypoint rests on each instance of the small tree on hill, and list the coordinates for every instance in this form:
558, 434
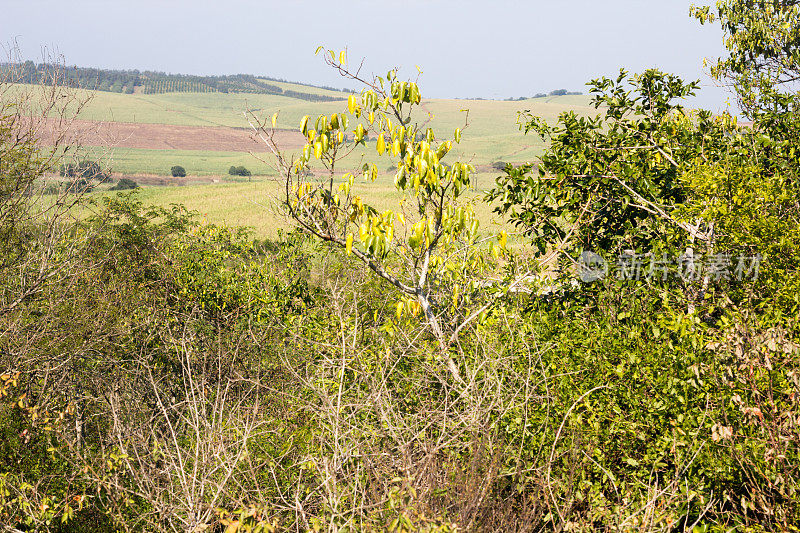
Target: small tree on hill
178, 171
239, 171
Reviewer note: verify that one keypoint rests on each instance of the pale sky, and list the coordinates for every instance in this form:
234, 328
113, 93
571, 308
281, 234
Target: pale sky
466, 48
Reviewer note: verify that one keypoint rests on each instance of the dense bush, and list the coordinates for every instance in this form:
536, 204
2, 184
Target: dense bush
239, 171
89, 170
178, 171
124, 184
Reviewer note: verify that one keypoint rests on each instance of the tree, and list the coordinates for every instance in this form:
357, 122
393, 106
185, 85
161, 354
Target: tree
178, 171
646, 175
239, 171
763, 65
29, 227
86, 169
612, 181
428, 249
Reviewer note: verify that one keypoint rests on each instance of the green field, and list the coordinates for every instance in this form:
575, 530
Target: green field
132, 161
196, 109
308, 89
254, 203
492, 134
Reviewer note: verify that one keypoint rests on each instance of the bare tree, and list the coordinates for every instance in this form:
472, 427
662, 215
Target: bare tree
37, 136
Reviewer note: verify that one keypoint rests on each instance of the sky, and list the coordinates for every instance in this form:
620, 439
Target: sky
488, 49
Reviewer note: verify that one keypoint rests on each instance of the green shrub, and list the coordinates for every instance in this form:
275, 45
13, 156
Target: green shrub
239, 171
86, 169
124, 184
178, 171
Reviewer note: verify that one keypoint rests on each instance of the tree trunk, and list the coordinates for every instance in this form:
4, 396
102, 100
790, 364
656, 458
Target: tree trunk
444, 346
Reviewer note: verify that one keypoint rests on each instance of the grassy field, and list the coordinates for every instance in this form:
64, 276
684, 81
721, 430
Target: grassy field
492, 134
308, 89
132, 161
254, 204
196, 109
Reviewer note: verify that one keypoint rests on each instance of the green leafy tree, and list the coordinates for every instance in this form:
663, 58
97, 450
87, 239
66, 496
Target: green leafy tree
648, 175
239, 171
763, 64
178, 171
613, 181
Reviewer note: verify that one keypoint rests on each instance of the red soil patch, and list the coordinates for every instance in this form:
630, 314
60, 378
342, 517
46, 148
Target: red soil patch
168, 137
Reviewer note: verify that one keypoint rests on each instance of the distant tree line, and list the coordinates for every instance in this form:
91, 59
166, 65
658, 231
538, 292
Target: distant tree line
556, 92
152, 82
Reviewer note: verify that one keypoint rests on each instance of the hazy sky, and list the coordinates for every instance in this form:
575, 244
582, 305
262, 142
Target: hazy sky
491, 49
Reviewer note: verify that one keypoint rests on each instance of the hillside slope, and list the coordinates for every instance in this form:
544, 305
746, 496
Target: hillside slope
492, 133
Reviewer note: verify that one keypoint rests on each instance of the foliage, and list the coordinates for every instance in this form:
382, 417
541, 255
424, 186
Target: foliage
239, 171
178, 171
763, 67
88, 170
611, 182
649, 177
124, 184
156, 82
159, 373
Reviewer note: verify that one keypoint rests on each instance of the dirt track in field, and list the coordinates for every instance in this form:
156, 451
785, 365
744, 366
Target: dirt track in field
168, 137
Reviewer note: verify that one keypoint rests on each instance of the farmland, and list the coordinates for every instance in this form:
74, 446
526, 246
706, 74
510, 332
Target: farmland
206, 133
253, 204
492, 133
